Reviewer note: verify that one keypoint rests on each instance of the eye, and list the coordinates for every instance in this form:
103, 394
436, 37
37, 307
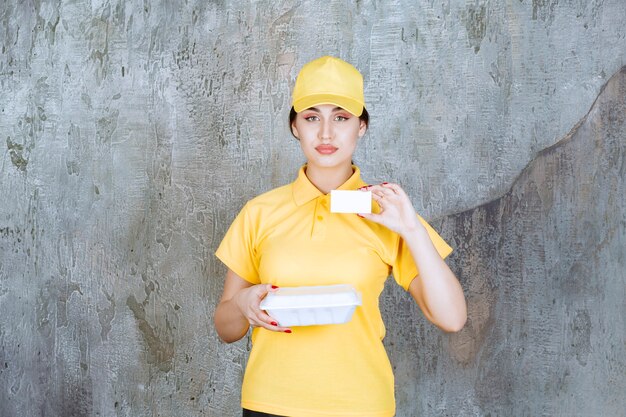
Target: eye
311, 118
341, 118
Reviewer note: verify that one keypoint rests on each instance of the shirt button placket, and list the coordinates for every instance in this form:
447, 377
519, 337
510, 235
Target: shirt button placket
320, 218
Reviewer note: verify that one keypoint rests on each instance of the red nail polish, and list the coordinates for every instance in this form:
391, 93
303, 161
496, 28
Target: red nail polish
360, 216
274, 287
287, 331
274, 323
385, 183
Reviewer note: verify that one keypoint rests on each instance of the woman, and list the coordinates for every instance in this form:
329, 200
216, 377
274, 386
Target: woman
288, 237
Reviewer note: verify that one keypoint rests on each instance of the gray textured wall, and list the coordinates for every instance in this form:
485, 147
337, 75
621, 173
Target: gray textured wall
132, 132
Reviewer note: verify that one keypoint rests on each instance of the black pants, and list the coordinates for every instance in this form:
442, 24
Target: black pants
250, 413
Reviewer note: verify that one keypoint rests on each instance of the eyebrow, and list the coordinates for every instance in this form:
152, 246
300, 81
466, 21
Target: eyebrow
317, 110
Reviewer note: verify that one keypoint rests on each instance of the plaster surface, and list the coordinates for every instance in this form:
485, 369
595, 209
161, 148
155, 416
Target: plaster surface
132, 132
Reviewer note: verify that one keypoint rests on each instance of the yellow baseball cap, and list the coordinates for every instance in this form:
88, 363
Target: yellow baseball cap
329, 80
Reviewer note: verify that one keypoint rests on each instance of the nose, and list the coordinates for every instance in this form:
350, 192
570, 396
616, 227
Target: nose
326, 130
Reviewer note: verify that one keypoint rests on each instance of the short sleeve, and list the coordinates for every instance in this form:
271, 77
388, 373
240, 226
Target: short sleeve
238, 249
404, 268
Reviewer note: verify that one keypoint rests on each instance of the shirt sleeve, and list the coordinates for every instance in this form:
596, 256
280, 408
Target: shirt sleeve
403, 268
238, 248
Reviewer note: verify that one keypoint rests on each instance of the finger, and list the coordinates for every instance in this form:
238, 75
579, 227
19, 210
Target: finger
270, 288
262, 317
376, 218
389, 192
272, 327
267, 322
378, 199
385, 197
256, 321
382, 190
263, 289
396, 188
373, 187
376, 190
389, 185
376, 194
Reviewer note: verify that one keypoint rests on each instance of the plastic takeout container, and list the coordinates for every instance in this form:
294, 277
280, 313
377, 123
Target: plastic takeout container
308, 306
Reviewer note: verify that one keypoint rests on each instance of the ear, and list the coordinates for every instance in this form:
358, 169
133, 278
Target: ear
362, 128
294, 130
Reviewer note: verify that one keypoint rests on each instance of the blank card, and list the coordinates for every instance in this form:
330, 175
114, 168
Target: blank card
342, 201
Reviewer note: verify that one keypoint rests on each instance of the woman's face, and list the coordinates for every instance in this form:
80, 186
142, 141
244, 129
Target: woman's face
328, 135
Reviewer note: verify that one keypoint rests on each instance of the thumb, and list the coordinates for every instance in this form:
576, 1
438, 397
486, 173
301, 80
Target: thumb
376, 218
266, 288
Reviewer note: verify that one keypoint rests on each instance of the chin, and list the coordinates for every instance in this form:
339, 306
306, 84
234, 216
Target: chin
326, 162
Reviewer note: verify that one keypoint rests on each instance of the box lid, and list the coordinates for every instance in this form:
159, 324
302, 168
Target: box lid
321, 296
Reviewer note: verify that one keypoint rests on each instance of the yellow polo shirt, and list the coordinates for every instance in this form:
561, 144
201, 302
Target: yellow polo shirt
288, 237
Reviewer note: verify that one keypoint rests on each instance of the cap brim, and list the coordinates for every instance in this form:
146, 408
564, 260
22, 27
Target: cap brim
350, 105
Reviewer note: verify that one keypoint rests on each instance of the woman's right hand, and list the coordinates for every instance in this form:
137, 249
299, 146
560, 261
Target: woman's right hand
248, 302
239, 308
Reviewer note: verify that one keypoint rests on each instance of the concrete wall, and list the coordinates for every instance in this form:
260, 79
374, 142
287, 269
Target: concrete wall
544, 271
132, 132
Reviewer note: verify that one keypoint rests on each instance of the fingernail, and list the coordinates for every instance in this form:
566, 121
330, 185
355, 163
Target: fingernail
274, 323
274, 287
287, 331
385, 183
360, 216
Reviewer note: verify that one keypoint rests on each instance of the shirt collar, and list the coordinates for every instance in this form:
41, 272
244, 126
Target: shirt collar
304, 191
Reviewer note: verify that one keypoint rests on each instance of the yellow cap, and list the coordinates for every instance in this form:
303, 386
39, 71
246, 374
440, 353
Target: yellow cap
329, 80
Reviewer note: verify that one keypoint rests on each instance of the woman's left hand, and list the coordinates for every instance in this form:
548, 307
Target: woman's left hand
396, 211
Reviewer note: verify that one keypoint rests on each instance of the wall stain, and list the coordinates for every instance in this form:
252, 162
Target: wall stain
105, 127
580, 334
63, 295
52, 304
476, 25
98, 32
544, 10
106, 316
160, 352
17, 155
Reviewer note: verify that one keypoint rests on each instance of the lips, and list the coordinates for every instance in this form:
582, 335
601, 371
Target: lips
326, 149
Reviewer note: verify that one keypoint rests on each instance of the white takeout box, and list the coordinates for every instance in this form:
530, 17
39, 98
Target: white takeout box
307, 306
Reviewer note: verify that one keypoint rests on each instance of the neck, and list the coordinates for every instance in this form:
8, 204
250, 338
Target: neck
326, 179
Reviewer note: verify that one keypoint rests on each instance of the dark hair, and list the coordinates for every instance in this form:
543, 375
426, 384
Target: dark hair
364, 117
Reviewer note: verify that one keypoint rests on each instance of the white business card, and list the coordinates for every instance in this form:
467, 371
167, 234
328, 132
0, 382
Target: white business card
345, 201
